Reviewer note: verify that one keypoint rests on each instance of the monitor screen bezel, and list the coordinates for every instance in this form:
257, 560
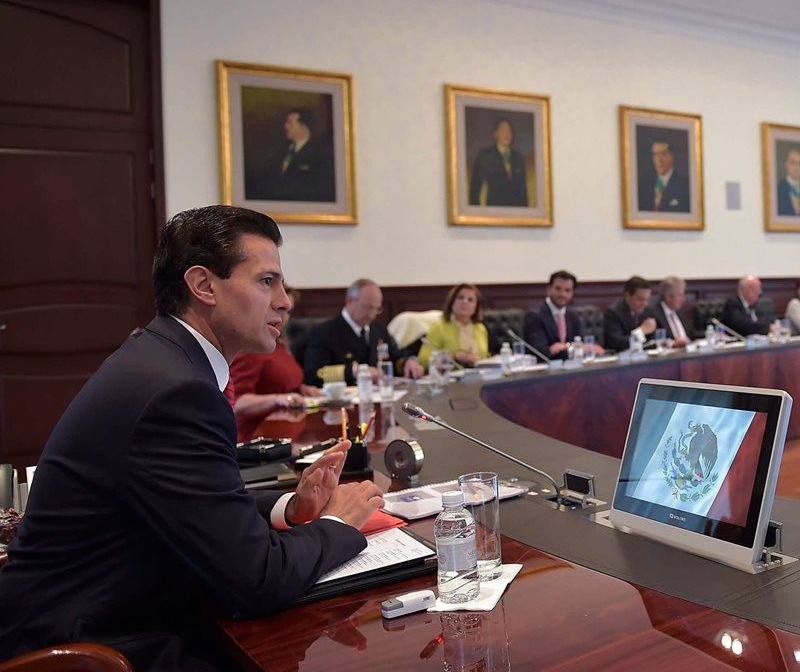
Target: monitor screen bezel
737, 545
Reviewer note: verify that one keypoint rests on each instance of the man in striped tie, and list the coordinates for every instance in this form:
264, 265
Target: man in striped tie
668, 310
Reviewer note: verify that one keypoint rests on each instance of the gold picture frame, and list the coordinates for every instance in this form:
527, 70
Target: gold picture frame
498, 157
780, 160
286, 143
662, 169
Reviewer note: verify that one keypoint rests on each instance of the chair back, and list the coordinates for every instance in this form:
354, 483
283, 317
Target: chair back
498, 321
297, 332
591, 318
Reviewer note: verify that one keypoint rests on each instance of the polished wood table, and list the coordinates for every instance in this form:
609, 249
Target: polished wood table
556, 615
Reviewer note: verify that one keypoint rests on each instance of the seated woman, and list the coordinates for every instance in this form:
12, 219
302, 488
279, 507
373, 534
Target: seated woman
460, 331
263, 383
793, 310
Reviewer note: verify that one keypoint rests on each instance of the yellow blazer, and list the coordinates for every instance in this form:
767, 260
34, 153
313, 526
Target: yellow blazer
443, 335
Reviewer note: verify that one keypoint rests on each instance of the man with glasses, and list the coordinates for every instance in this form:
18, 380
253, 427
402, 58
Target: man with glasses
742, 314
336, 347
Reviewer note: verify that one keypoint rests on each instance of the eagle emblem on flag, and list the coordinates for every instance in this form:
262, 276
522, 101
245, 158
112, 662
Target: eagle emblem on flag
688, 461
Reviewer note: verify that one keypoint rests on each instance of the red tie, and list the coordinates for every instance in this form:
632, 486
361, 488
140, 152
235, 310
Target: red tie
230, 393
561, 323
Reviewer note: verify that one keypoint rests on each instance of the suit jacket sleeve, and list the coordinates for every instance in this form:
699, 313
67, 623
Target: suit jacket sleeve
318, 354
182, 476
535, 333
615, 334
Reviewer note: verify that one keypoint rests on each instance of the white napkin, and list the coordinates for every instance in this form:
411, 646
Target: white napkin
489, 595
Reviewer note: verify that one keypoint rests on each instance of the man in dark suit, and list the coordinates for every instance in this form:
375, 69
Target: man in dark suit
742, 314
668, 311
553, 327
139, 516
664, 189
502, 169
627, 319
789, 187
304, 171
335, 348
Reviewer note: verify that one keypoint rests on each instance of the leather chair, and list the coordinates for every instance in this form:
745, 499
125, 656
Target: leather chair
704, 310
70, 658
591, 318
297, 331
497, 321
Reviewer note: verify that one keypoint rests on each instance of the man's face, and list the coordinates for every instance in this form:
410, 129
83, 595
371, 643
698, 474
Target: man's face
503, 135
793, 165
638, 300
561, 291
750, 290
295, 129
675, 299
662, 158
367, 306
251, 305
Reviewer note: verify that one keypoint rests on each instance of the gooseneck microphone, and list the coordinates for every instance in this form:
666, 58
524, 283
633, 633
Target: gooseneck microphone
728, 330
519, 339
417, 412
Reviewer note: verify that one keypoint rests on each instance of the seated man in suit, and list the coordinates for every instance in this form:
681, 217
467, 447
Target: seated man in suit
139, 516
668, 311
335, 348
553, 327
741, 313
628, 318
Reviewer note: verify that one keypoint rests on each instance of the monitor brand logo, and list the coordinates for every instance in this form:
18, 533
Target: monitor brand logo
674, 516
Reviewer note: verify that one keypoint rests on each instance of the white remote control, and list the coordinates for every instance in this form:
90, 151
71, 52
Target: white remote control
407, 603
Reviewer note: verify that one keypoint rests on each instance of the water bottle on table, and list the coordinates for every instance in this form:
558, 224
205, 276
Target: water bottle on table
364, 383
456, 551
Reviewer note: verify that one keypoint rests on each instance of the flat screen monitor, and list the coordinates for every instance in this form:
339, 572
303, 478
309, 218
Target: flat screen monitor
700, 467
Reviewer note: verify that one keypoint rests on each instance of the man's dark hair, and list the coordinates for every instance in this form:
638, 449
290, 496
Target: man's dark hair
305, 116
202, 237
562, 275
505, 120
662, 141
634, 284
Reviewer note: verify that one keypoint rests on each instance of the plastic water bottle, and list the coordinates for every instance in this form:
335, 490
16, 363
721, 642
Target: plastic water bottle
454, 532
710, 335
506, 357
364, 383
382, 351
577, 349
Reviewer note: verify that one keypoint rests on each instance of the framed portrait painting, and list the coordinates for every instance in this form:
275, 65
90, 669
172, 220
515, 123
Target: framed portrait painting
498, 157
662, 169
780, 156
286, 142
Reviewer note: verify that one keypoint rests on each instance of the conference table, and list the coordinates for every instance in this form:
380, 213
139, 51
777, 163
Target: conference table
587, 597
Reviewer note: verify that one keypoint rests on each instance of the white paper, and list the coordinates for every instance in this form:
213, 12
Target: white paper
489, 595
384, 549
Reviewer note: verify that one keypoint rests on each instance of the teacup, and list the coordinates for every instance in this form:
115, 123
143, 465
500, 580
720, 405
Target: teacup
334, 390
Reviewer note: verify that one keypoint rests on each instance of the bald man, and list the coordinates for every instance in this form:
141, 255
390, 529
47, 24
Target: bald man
741, 313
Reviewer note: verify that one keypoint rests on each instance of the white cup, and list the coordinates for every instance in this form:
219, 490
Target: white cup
334, 390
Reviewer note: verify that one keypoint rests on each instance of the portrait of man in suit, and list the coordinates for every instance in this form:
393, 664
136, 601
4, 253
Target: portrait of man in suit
295, 165
498, 173
662, 187
789, 185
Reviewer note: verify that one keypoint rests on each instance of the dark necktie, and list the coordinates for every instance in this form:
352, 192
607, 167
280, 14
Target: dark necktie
364, 335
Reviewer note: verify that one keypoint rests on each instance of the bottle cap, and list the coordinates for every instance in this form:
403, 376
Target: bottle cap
452, 498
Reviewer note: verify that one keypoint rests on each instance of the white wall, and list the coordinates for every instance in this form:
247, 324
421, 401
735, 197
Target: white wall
401, 52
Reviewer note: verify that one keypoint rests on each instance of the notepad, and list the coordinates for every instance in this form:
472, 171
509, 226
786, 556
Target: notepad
426, 500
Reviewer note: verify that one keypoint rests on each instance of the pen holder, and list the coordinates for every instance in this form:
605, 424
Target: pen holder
357, 457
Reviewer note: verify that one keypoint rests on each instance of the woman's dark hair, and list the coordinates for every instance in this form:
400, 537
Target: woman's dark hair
477, 316
202, 237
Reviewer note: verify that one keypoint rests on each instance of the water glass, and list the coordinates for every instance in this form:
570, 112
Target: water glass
786, 330
518, 359
588, 348
661, 340
434, 372
480, 498
386, 380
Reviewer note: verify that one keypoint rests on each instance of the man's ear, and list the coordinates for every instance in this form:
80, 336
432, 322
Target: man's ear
200, 282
